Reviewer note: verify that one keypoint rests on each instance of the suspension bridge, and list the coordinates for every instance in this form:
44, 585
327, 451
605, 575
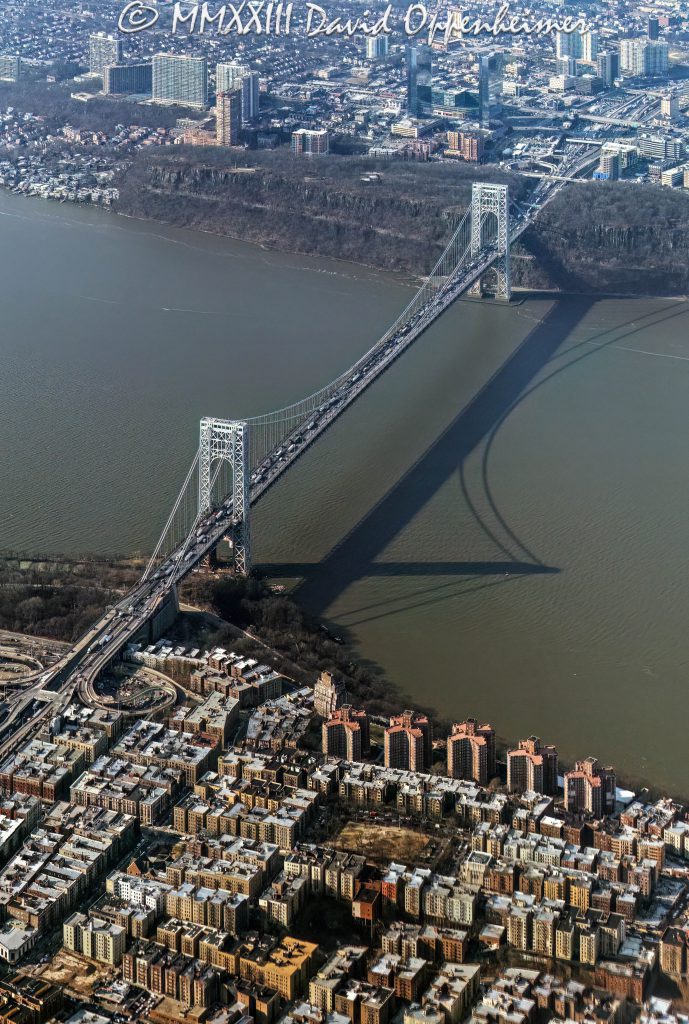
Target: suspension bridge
237, 461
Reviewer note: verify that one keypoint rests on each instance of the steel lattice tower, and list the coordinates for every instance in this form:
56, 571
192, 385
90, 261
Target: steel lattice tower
228, 440
485, 200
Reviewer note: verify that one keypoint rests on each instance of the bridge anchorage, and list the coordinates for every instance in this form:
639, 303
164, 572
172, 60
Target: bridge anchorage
490, 219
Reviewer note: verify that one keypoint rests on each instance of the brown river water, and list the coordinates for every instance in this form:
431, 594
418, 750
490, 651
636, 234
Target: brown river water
499, 523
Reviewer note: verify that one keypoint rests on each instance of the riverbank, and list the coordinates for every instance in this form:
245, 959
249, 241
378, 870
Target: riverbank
598, 238
595, 238
282, 624
301, 646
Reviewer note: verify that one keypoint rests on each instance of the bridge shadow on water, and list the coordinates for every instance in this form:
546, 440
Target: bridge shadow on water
354, 556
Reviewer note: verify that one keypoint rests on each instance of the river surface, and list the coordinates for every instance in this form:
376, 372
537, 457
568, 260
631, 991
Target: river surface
501, 522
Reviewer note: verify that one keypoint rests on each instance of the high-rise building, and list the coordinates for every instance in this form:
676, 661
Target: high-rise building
235, 75
580, 44
329, 694
228, 117
660, 147
307, 142
669, 106
346, 734
608, 66
656, 57
133, 79
532, 767
471, 751
568, 66
632, 56
104, 51
376, 47
569, 44
179, 79
409, 742
419, 79
95, 938
468, 145
653, 26
590, 788
589, 46
640, 57
10, 67
490, 73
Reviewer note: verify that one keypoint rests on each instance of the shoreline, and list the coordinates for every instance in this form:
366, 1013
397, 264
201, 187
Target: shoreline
402, 277
639, 785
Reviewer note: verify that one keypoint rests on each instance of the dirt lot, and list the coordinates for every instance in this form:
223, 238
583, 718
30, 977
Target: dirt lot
381, 843
79, 975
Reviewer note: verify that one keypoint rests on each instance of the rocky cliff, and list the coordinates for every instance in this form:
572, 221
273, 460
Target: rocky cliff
595, 237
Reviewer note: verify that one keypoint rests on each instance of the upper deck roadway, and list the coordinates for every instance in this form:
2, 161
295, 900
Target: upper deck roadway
77, 670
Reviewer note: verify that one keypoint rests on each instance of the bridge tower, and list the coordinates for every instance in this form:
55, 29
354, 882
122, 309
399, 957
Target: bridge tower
228, 440
488, 201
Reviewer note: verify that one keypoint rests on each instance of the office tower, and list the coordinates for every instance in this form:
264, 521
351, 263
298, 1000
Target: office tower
409, 742
652, 28
471, 751
532, 767
376, 47
306, 142
178, 79
103, 51
489, 85
590, 789
234, 75
10, 67
228, 117
419, 79
608, 66
127, 78
346, 734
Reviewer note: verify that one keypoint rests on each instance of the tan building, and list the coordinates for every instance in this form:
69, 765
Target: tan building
466, 145
346, 734
329, 694
285, 968
94, 938
409, 742
590, 788
471, 751
228, 117
532, 767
